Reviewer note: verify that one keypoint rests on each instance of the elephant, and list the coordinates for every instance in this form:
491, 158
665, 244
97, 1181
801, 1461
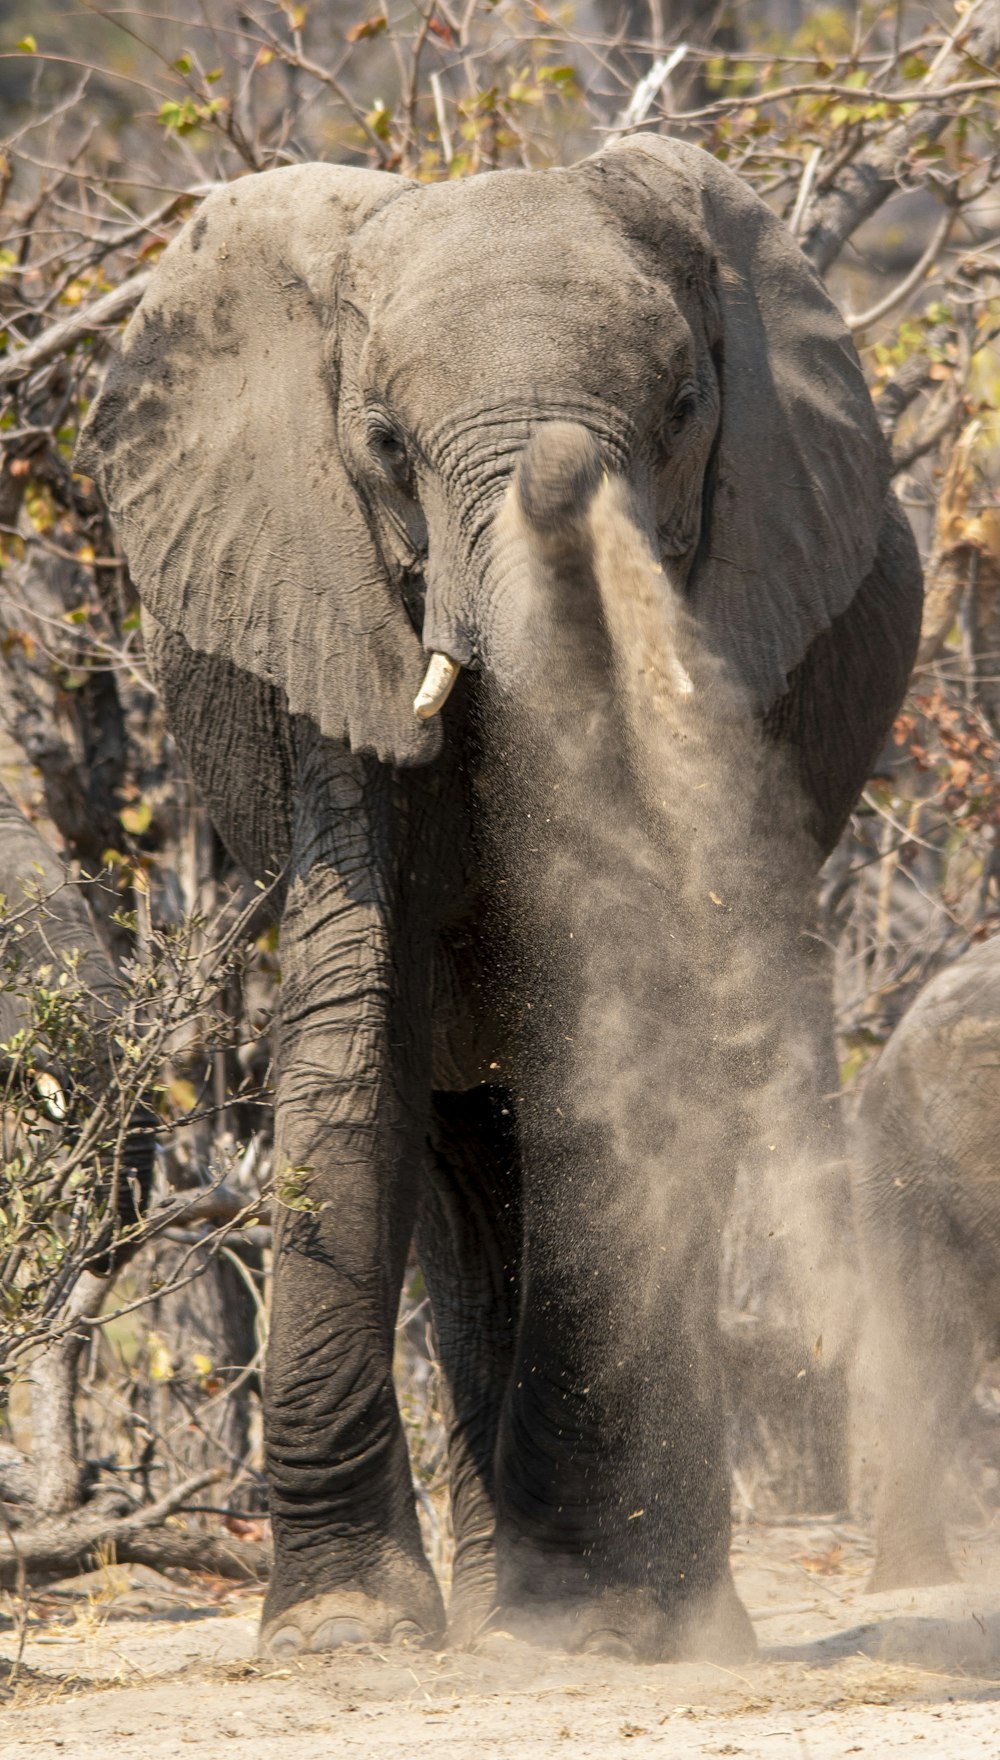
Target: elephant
370, 445
927, 1206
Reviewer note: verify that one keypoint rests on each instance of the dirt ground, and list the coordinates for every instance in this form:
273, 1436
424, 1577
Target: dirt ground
126, 1663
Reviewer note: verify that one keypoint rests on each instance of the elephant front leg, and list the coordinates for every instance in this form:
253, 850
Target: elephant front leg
921, 1355
351, 1121
468, 1240
612, 1472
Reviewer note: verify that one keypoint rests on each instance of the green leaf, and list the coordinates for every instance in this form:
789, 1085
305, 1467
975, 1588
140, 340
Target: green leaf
913, 67
28, 46
520, 92
379, 120
137, 818
181, 117
183, 64
563, 77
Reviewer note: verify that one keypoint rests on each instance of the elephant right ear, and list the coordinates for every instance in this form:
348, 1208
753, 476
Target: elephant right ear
214, 442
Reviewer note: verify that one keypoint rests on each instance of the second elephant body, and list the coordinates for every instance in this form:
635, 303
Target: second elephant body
927, 1200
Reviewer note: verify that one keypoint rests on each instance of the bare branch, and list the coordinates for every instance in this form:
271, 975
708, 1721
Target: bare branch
805, 190
72, 329
873, 176
942, 232
56, 1548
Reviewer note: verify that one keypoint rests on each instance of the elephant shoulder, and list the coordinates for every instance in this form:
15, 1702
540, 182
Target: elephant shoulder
936, 1079
948, 1044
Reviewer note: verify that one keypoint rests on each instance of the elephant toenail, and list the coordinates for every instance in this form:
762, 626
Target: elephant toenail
334, 1632
287, 1641
607, 1643
406, 1631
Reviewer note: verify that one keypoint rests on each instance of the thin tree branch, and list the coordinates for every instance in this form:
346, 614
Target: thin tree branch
805, 190
860, 320
58, 1547
61, 336
873, 176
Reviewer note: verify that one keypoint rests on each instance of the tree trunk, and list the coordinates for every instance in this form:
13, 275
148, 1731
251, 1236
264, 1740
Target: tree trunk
56, 1456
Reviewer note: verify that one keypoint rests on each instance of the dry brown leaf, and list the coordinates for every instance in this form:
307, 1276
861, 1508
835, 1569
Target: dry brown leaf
822, 1564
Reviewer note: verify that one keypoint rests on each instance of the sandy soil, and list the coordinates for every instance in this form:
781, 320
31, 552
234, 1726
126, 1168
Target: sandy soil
127, 1663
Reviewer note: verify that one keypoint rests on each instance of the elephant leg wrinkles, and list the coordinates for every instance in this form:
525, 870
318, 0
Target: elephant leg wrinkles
353, 1083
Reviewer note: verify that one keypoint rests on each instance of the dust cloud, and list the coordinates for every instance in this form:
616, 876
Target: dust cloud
656, 847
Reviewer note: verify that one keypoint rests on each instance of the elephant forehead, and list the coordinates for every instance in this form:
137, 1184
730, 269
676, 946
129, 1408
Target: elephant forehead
510, 277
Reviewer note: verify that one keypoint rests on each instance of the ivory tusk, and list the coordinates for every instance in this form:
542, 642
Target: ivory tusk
439, 680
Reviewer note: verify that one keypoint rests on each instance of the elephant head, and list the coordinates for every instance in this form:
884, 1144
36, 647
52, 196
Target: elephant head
322, 401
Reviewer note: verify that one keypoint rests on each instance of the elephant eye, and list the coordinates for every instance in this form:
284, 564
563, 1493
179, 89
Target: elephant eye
683, 408
388, 448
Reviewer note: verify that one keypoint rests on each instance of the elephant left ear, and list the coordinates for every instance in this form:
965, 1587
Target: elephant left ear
215, 443
801, 470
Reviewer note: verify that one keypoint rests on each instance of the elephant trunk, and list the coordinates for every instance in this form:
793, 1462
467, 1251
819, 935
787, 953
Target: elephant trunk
548, 563
646, 988
582, 637
558, 475
575, 586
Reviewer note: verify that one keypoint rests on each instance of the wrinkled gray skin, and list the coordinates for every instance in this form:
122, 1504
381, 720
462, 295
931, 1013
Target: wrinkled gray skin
927, 1201
334, 382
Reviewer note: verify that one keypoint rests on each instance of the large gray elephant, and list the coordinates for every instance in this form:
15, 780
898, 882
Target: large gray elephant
927, 1200
364, 434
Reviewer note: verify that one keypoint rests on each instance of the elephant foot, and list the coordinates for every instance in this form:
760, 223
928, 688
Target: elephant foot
631, 1625
627, 1624
471, 1619
472, 1605
346, 1617
918, 1568
714, 1626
